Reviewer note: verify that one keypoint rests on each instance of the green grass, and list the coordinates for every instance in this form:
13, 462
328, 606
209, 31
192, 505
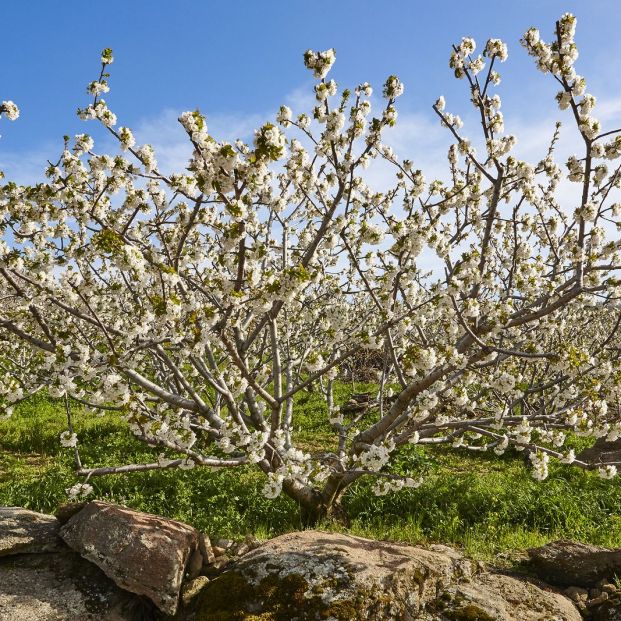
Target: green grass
488, 505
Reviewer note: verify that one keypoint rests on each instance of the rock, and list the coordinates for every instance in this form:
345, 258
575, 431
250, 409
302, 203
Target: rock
602, 452
23, 531
68, 510
610, 610
596, 601
315, 575
192, 589
62, 587
570, 563
218, 551
496, 597
145, 554
224, 543
204, 545
577, 594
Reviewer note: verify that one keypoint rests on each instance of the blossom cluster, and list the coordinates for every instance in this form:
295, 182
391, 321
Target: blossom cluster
10, 110
319, 63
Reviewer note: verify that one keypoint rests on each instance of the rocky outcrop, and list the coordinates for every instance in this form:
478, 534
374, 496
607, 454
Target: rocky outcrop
142, 553
127, 565
23, 531
314, 575
570, 563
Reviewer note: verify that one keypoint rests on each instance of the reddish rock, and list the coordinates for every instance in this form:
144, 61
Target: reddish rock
142, 553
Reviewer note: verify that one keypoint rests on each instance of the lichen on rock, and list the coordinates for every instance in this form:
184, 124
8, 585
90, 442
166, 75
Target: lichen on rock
315, 576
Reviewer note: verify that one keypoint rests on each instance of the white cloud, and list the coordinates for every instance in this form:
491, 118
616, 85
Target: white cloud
27, 167
301, 100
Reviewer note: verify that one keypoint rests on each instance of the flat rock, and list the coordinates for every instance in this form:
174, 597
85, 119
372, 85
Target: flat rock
61, 587
313, 575
571, 563
142, 553
23, 531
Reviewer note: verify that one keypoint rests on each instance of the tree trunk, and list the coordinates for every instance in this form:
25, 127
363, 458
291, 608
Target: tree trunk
317, 505
312, 516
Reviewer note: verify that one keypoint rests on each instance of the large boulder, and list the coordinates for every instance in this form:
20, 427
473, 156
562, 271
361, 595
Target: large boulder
24, 531
142, 553
314, 575
62, 587
571, 563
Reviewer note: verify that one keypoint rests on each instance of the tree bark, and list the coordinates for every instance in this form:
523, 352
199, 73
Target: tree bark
317, 505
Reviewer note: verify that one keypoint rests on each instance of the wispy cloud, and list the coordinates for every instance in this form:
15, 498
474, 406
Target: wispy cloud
27, 167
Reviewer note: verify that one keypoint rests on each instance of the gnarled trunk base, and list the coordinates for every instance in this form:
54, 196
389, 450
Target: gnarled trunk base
311, 516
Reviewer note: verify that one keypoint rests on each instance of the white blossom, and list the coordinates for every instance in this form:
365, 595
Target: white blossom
68, 439
10, 110
79, 490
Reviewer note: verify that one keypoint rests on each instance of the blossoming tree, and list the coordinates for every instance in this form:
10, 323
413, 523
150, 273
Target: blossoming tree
197, 305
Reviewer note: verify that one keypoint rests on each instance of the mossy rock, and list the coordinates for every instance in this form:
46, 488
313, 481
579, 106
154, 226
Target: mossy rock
456, 606
314, 576
234, 597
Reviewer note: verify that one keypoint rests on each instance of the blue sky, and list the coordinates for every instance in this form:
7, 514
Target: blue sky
238, 60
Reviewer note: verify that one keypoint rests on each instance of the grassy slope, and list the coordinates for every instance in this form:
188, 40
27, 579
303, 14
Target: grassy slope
486, 504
